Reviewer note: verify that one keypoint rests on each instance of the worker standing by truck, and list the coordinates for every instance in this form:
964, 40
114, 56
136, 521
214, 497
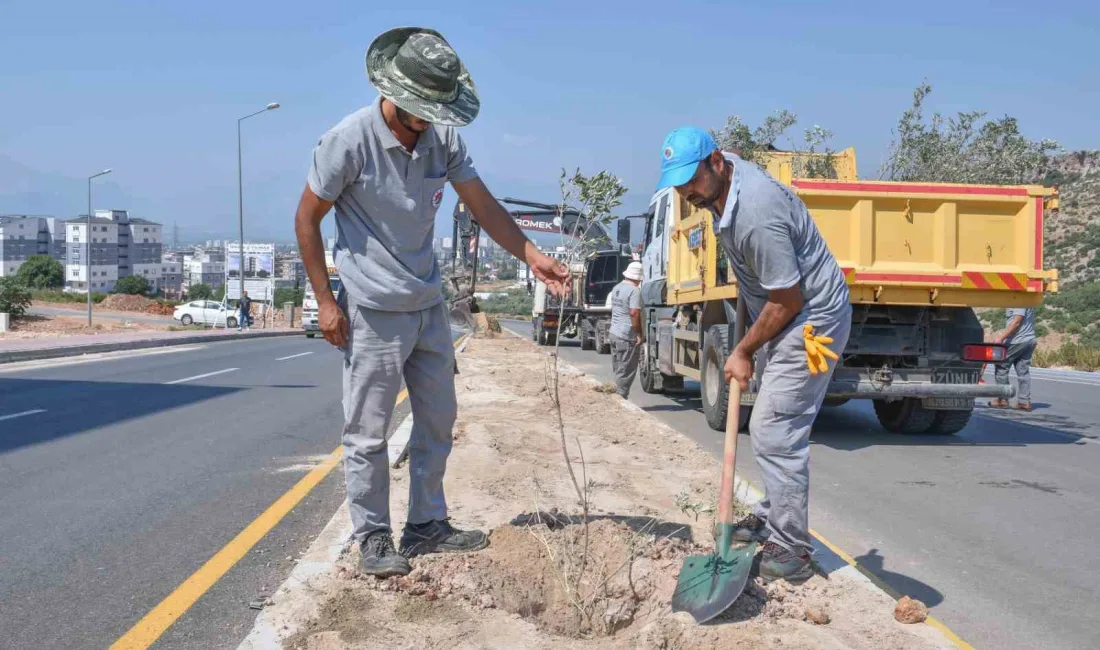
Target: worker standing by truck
1019, 336
626, 329
384, 168
798, 304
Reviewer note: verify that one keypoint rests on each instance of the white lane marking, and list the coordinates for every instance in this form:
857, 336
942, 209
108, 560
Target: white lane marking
294, 356
90, 358
203, 376
19, 415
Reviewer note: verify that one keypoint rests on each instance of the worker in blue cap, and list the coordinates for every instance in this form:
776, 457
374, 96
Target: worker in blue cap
798, 304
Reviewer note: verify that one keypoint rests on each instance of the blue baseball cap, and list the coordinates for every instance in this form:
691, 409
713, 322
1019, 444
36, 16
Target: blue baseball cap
681, 154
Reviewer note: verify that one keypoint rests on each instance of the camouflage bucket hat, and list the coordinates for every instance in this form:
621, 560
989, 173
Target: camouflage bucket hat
418, 71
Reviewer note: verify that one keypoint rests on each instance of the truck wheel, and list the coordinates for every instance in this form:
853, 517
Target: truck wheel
715, 389
835, 401
543, 335
602, 346
948, 423
649, 376
906, 416
310, 335
535, 330
586, 341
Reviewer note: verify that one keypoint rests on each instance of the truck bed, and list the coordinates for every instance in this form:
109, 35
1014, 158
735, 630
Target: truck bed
898, 243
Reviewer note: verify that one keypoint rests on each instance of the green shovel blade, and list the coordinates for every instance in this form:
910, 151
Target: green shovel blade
709, 584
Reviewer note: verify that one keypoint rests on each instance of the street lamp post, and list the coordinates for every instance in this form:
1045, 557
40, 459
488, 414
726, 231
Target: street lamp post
240, 200
88, 244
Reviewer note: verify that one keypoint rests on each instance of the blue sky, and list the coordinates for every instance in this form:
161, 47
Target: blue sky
153, 89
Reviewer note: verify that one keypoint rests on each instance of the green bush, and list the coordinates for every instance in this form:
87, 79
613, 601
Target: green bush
51, 295
134, 285
41, 272
516, 302
1073, 355
14, 297
200, 292
284, 295
1041, 330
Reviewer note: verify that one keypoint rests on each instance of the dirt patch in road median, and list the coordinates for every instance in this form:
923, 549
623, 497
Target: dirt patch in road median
650, 495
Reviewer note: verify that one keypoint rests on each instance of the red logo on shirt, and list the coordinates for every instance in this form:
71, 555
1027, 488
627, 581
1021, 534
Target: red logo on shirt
437, 198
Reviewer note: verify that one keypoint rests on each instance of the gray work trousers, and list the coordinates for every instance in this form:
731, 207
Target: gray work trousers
1019, 356
624, 364
383, 347
782, 417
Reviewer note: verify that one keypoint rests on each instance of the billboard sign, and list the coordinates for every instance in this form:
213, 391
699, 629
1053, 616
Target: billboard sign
259, 271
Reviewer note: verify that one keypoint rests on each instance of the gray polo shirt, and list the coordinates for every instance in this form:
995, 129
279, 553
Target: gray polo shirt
1026, 332
624, 297
386, 198
773, 243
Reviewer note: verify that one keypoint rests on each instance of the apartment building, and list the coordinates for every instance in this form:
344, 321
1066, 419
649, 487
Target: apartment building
119, 246
24, 235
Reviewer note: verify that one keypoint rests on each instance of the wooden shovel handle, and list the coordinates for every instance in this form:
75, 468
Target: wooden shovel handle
729, 456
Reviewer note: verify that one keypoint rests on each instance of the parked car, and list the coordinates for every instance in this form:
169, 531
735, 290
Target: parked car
206, 312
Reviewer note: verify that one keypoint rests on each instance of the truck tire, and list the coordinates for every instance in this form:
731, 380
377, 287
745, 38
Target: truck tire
649, 376
542, 334
714, 388
602, 346
535, 327
906, 416
587, 342
835, 401
948, 423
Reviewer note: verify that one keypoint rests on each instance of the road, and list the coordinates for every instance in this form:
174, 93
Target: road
992, 528
121, 477
99, 314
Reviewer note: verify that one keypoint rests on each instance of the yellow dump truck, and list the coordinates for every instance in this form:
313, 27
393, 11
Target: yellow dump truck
918, 258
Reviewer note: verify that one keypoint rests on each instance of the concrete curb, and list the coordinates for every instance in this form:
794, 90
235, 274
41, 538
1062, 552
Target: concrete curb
16, 356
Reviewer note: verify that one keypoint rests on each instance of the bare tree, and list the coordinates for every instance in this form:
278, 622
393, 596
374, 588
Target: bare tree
812, 157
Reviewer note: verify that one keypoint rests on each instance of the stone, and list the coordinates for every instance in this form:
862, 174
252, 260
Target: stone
910, 610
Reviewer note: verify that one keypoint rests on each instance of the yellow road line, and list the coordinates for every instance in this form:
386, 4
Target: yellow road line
151, 626
946, 631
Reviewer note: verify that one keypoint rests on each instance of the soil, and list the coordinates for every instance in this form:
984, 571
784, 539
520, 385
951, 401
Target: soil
535, 586
39, 327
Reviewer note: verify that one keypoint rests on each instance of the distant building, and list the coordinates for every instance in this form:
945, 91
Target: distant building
289, 268
120, 246
171, 277
204, 266
22, 236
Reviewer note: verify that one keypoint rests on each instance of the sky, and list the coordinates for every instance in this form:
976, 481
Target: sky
153, 89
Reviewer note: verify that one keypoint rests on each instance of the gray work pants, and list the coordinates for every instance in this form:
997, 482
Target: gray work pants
383, 348
785, 410
624, 364
1019, 356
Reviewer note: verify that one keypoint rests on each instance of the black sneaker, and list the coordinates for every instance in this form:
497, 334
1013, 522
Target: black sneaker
777, 562
751, 529
440, 537
380, 559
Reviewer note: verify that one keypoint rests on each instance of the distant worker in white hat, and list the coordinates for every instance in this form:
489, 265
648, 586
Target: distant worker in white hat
626, 328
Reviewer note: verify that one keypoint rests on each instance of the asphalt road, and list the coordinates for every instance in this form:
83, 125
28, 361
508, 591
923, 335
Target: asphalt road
119, 478
993, 528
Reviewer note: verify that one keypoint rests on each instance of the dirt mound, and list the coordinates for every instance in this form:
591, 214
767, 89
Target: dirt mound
158, 309
536, 573
124, 302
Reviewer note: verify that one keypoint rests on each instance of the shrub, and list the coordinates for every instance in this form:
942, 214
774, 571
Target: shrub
14, 297
1073, 355
41, 272
135, 285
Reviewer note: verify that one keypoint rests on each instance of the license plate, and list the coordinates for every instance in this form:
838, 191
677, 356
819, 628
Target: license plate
948, 403
695, 238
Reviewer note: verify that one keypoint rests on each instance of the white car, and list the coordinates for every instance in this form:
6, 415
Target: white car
206, 312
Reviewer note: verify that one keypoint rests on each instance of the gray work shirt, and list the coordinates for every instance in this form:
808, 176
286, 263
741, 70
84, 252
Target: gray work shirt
1026, 331
624, 297
773, 243
386, 198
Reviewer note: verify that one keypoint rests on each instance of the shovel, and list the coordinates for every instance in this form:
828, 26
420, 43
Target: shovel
709, 584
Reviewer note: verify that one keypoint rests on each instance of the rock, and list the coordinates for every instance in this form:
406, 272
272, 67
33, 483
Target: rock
817, 616
909, 610
486, 601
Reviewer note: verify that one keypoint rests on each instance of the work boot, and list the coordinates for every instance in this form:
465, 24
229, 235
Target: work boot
380, 559
777, 562
1023, 406
440, 537
749, 529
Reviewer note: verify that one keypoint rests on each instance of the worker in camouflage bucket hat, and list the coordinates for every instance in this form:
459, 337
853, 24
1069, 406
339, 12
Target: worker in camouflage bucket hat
383, 168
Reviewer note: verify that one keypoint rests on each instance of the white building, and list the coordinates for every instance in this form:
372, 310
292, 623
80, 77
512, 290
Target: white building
119, 246
22, 236
204, 266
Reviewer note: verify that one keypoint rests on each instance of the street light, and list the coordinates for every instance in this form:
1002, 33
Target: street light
88, 244
240, 198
